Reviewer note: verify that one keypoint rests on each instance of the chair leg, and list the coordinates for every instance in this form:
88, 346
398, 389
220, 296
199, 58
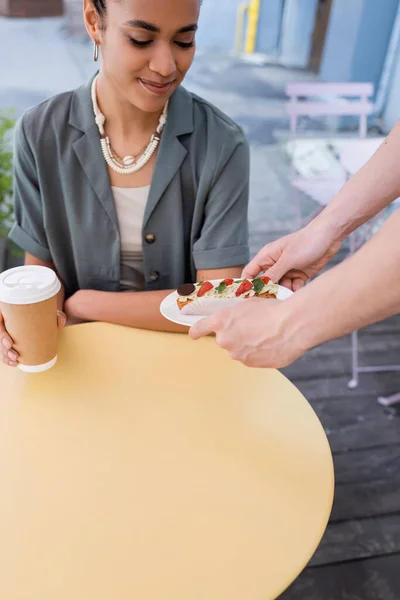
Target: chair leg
353, 383
389, 400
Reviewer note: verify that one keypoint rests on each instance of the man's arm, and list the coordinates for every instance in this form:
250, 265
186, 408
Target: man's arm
362, 290
370, 190
299, 256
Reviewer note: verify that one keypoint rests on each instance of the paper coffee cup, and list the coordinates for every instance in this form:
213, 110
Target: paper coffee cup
28, 302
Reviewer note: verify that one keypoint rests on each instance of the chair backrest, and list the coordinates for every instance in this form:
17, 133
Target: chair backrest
325, 99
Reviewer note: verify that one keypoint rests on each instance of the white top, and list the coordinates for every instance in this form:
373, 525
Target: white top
130, 204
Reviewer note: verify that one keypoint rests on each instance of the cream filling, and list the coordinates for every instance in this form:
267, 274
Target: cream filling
230, 292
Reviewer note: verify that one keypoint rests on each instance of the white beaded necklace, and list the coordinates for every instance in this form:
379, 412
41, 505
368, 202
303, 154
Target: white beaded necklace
129, 163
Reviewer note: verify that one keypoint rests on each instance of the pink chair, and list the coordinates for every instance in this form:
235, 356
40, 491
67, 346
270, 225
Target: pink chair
315, 99
335, 103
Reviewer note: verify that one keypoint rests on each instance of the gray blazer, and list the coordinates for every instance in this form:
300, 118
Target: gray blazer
196, 215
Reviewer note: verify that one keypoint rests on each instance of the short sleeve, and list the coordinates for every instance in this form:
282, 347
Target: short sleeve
28, 231
224, 237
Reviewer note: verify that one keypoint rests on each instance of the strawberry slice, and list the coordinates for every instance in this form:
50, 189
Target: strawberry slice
244, 287
204, 288
265, 279
228, 282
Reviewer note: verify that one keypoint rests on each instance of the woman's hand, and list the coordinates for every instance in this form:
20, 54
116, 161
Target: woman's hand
8, 353
295, 258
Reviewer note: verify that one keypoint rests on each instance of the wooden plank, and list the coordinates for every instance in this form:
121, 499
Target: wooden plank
380, 339
372, 579
327, 387
383, 338
368, 499
367, 434
377, 327
335, 360
357, 423
367, 465
340, 412
353, 540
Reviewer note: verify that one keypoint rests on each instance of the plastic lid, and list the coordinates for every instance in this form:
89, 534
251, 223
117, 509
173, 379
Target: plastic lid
28, 285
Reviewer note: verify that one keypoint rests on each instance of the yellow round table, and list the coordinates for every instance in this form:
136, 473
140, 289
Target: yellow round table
146, 466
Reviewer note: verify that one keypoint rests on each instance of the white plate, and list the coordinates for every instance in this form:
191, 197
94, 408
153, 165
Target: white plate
169, 308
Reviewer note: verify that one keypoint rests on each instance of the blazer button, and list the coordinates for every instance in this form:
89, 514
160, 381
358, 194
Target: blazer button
155, 276
150, 238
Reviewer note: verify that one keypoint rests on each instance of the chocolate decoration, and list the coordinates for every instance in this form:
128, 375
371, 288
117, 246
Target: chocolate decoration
186, 289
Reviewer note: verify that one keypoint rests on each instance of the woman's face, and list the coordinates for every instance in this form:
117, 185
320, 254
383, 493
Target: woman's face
147, 48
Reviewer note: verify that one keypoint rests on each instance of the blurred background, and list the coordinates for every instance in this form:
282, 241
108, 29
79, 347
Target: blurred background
249, 55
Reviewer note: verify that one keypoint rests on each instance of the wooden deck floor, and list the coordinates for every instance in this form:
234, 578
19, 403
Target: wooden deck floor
359, 556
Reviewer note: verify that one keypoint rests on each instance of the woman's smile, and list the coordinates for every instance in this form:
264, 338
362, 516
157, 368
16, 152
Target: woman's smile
158, 89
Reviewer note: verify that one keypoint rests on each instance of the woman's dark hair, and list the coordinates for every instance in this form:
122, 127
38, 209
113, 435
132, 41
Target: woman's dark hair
100, 6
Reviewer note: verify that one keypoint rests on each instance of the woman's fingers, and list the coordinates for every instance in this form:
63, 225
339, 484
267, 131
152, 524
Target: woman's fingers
10, 363
61, 319
9, 355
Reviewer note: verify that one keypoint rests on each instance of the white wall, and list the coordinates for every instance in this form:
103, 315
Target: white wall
217, 25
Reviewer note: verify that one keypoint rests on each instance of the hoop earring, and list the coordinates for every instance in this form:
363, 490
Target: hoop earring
96, 52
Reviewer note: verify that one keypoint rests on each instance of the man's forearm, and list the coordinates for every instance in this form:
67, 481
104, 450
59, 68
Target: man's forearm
373, 188
132, 309
362, 290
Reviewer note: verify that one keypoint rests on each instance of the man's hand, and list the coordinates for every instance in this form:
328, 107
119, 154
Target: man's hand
294, 258
257, 333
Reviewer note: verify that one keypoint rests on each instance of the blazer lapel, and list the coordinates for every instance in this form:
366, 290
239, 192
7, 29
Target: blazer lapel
169, 159
171, 152
88, 149
88, 152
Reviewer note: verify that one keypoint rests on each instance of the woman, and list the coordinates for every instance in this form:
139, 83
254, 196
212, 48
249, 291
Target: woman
130, 183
